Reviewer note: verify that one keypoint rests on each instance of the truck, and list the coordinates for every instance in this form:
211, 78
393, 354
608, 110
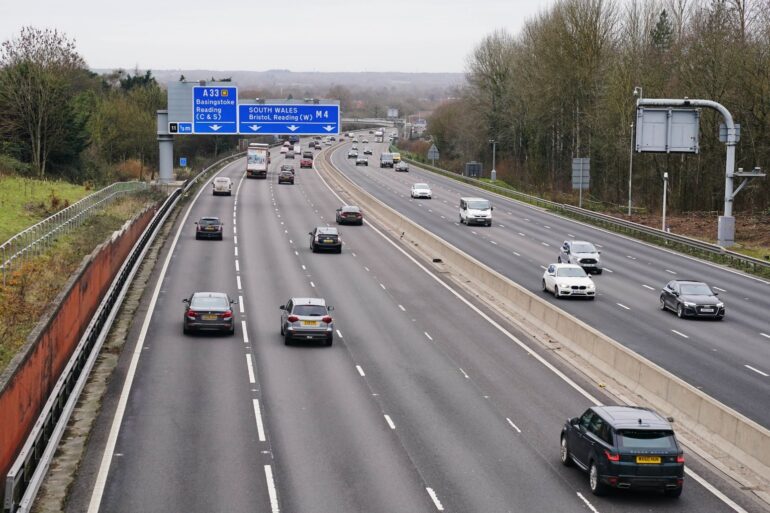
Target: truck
379, 136
257, 158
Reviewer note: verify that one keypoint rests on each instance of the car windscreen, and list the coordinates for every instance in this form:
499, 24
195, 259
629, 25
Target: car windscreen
208, 222
636, 439
696, 289
204, 302
421, 186
583, 248
571, 272
310, 310
478, 205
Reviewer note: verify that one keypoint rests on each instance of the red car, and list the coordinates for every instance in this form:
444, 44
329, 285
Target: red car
305, 163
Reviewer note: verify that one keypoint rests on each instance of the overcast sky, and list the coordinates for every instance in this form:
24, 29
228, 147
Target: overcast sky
256, 35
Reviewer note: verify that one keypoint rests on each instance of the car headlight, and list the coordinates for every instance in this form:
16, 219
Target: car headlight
564, 285
720, 305
687, 303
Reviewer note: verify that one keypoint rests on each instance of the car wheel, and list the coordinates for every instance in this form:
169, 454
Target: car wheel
673, 493
232, 331
230, 193
558, 259
185, 329
556, 291
720, 318
662, 304
287, 339
197, 237
339, 249
282, 331
544, 288
599, 271
566, 457
313, 248
680, 310
329, 341
221, 237
597, 487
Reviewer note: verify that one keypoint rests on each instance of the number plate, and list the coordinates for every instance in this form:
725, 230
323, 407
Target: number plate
328, 241
309, 323
648, 460
706, 309
209, 317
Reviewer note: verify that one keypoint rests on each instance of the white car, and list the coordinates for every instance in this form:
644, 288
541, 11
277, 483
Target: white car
568, 280
421, 190
284, 149
222, 185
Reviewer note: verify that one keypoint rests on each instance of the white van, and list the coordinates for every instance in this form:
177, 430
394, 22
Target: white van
476, 211
222, 185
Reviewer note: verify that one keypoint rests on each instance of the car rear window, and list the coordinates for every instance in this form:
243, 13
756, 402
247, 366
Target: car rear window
208, 302
208, 222
310, 310
351, 209
633, 439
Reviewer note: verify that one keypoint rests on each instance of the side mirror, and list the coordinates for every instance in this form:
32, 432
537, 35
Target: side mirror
599, 252
310, 233
339, 210
185, 300
491, 208
573, 421
675, 293
330, 308
715, 292
233, 302
282, 307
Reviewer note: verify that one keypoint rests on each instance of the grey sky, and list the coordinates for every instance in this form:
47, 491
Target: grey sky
299, 35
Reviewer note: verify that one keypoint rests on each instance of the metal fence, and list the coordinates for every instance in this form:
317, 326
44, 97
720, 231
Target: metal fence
680, 243
38, 238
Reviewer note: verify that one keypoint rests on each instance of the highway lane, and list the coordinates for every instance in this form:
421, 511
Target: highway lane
524, 239
472, 419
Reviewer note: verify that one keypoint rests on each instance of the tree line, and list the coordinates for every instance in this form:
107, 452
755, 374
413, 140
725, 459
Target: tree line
562, 87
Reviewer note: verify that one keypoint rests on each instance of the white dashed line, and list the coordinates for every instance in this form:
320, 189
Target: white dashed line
389, 421
353, 254
757, 371
765, 335
235, 230
543, 267
235, 240
631, 257
245, 332
720, 290
546, 227
670, 271
434, 497
402, 308
443, 217
366, 269
304, 268
621, 305
238, 280
570, 235
237, 266
598, 245
680, 334
516, 254
590, 506
427, 335
271, 489
240, 303
545, 244
493, 242
474, 233
236, 250
522, 234
383, 286
291, 241
312, 284
647, 286
514, 426
501, 225
339, 334
296, 253
609, 270
251, 369
464, 373
360, 371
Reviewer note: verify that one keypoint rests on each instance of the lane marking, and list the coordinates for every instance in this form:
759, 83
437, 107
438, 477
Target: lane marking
360, 371
546, 226
390, 421
235, 230
765, 335
237, 266
296, 252
240, 303
428, 335
621, 305
522, 234
680, 334
501, 225
670, 271
245, 332
514, 426
719, 495
545, 244
235, 240
516, 254
543, 267
402, 308
570, 236
258, 416
757, 370
464, 373
383, 286
236, 250
434, 497
271, 489
366, 269
238, 280
590, 506
493, 242
647, 286
720, 290
312, 284
304, 268
629, 256
609, 270
353, 254
251, 369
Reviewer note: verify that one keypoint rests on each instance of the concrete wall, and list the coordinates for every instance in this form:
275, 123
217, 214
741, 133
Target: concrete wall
742, 438
27, 382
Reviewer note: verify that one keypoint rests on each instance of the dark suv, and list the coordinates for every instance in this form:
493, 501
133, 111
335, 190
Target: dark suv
624, 447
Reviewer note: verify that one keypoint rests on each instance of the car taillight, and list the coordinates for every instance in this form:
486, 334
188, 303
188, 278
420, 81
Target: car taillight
680, 458
191, 314
612, 456
293, 318
327, 319
227, 315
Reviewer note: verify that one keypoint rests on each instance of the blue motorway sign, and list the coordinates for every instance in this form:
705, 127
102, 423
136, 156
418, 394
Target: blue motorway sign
182, 161
287, 119
215, 110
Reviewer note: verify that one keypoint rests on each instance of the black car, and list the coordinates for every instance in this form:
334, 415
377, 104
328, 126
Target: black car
624, 447
208, 228
287, 167
208, 311
350, 214
325, 237
286, 176
691, 299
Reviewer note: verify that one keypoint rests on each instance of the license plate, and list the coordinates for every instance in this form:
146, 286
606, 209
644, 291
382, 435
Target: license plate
309, 323
209, 317
648, 460
706, 309
210, 228
328, 241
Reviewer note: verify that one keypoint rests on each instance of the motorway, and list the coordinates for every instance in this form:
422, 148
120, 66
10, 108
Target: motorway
729, 360
425, 402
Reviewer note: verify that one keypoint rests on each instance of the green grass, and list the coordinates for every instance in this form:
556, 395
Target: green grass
25, 201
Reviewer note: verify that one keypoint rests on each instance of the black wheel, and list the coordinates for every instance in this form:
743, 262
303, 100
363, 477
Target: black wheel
313, 248
679, 310
329, 341
361, 222
543, 286
232, 331
229, 193
662, 304
489, 223
599, 271
185, 330
221, 237
565, 456
558, 259
597, 487
197, 237
339, 250
673, 493
287, 339
556, 291
720, 318
282, 332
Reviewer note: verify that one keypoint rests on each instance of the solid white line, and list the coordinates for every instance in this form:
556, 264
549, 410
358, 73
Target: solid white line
680, 334
360, 371
251, 369
514, 426
245, 332
238, 281
765, 335
117, 421
433, 496
670, 271
389, 421
757, 371
647, 287
258, 416
402, 308
271, 490
590, 506
237, 266
240, 303
427, 335
623, 306
719, 495
464, 373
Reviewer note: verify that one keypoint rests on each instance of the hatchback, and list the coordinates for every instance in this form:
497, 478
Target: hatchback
286, 177
208, 228
208, 311
421, 190
325, 237
624, 447
307, 318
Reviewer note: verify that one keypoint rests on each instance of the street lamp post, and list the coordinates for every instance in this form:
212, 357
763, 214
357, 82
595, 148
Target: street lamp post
493, 174
665, 188
638, 94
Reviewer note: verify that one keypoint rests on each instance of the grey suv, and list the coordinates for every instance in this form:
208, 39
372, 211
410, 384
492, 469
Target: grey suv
307, 318
581, 253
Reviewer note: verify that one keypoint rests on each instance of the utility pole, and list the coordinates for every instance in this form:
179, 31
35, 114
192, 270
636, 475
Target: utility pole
665, 188
630, 169
493, 174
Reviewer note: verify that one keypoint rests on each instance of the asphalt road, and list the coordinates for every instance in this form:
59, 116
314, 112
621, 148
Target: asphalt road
729, 360
422, 404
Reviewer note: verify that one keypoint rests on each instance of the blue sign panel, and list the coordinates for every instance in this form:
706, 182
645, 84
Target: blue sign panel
180, 128
287, 119
182, 161
215, 110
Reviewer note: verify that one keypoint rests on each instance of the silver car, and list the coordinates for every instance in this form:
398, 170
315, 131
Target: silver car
307, 318
581, 253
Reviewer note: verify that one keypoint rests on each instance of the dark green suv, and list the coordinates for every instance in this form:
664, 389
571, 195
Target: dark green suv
624, 447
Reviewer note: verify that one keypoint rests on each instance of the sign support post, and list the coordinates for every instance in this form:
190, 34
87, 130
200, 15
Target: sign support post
165, 149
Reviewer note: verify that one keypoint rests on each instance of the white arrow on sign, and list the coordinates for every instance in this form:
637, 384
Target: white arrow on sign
329, 128
255, 127
215, 127
292, 127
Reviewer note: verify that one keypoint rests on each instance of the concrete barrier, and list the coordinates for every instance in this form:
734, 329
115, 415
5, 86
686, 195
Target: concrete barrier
744, 440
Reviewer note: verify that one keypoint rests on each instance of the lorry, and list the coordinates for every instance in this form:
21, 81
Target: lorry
257, 158
379, 136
